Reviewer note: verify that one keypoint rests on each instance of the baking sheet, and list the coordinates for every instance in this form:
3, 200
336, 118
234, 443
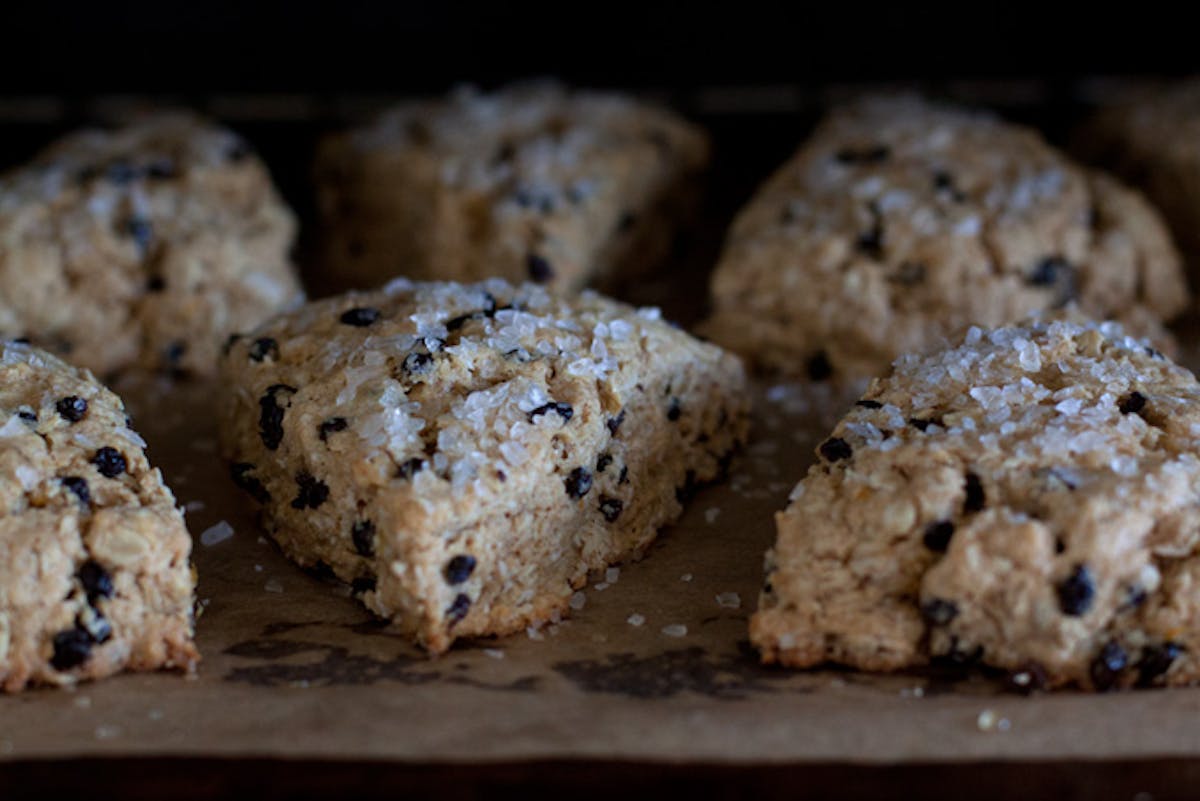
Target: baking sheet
293, 667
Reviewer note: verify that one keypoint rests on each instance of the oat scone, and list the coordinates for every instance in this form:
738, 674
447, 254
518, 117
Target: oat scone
1028, 500
466, 454
568, 189
1151, 139
144, 245
94, 573
900, 223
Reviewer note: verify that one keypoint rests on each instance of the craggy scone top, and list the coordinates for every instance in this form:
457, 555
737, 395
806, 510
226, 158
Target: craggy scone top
94, 572
901, 222
533, 182
147, 245
1029, 500
409, 415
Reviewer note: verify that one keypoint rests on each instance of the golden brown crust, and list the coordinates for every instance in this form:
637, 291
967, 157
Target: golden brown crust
900, 223
469, 452
1026, 500
94, 573
569, 189
147, 245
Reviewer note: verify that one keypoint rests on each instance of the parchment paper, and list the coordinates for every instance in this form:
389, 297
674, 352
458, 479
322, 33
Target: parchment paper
293, 667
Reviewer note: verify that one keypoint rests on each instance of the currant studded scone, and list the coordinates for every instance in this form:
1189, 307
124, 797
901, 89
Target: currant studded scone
1028, 500
145, 245
464, 455
94, 573
900, 223
567, 189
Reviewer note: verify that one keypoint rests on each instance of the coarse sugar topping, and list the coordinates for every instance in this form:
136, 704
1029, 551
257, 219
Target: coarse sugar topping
147, 243
901, 221
530, 135
1025, 498
457, 380
1045, 390
164, 146
49, 408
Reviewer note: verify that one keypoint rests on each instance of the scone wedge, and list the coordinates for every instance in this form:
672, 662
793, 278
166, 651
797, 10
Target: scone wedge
94, 572
144, 245
1028, 500
900, 222
533, 182
464, 455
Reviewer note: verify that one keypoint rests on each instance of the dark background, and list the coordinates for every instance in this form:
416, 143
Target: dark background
756, 74
219, 45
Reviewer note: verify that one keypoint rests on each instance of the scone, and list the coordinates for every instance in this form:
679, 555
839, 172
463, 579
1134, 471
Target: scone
464, 455
94, 573
1151, 139
532, 183
1028, 500
900, 223
146, 245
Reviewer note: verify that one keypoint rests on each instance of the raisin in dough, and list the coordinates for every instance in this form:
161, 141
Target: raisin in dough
900, 223
1029, 499
1151, 138
530, 183
144, 245
94, 573
466, 454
